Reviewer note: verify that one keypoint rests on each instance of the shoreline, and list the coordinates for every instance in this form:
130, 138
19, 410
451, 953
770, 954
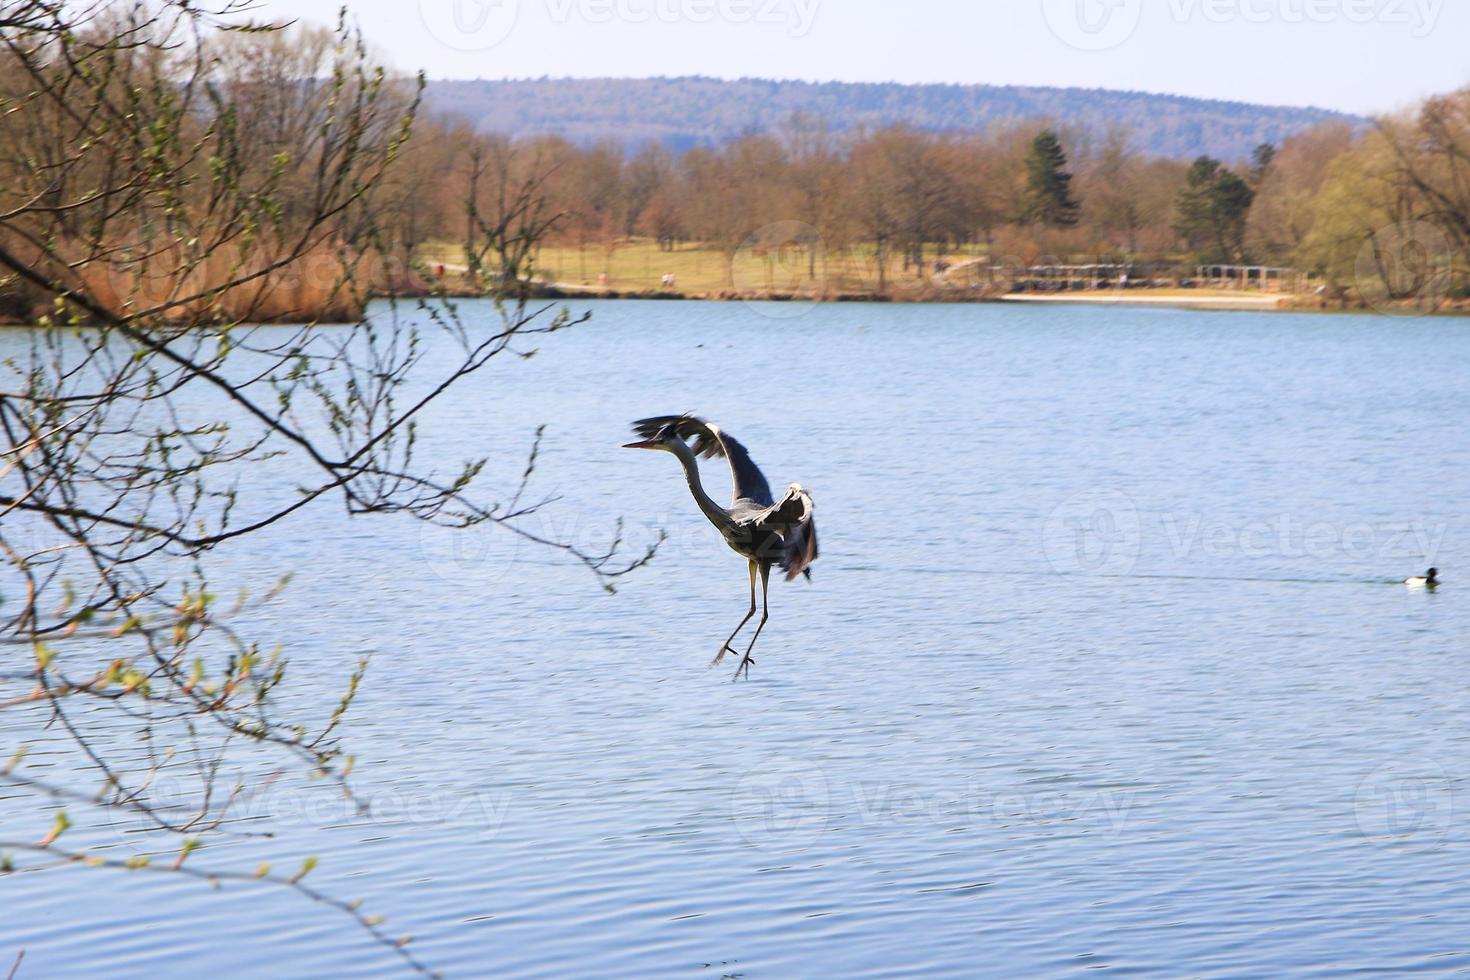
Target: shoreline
1164, 298
1137, 297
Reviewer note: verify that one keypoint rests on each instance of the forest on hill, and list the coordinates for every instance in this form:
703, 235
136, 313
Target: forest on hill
683, 113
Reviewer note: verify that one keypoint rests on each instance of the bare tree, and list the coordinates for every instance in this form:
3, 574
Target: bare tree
1432, 156
1282, 217
169, 177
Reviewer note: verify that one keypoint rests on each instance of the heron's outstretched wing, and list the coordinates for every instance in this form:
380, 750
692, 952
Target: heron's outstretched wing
750, 483
792, 517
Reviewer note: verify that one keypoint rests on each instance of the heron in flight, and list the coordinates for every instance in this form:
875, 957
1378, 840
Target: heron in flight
763, 531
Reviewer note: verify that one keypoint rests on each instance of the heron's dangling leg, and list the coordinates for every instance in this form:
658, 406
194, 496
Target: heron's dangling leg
746, 660
727, 648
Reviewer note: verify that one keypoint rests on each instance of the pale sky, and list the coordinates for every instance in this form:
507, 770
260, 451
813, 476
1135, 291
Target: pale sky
1357, 55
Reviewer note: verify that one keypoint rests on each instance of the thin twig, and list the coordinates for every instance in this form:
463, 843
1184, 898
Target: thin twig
370, 924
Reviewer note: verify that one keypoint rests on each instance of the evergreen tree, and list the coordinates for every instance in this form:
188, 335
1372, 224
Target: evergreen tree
1048, 184
1261, 159
1211, 210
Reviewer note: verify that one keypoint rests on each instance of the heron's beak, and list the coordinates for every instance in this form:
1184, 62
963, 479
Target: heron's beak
650, 444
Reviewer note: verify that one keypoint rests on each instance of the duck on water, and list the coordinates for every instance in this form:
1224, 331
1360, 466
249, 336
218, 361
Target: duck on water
1429, 580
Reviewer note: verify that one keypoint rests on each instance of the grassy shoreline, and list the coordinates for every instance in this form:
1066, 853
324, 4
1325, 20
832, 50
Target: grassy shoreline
642, 269
635, 269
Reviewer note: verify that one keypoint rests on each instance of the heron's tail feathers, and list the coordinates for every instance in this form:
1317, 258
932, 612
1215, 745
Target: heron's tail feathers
800, 538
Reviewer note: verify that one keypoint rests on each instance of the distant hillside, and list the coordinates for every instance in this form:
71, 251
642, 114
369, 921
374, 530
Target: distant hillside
686, 112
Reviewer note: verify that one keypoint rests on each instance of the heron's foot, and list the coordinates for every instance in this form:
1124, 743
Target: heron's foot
721, 655
744, 665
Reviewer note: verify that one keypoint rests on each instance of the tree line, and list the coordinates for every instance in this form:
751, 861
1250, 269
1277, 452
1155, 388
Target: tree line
1022, 192
902, 197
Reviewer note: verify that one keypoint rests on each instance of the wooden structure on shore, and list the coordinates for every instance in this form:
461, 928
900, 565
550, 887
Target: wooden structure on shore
1109, 275
1094, 276
1266, 278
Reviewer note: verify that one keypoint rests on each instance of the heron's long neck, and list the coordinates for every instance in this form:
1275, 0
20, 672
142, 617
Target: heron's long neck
718, 516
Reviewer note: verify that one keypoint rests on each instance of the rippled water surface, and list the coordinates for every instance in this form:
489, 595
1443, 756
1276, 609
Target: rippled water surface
1103, 666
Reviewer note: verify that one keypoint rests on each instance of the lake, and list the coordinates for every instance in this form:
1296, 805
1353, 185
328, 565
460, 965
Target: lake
1104, 666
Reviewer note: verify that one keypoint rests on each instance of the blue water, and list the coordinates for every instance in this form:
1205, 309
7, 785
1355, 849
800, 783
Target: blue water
1104, 666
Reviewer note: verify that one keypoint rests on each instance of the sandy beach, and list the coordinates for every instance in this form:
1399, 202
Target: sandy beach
1244, 302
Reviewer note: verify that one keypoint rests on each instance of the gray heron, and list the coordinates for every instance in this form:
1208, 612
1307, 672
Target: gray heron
762, 530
